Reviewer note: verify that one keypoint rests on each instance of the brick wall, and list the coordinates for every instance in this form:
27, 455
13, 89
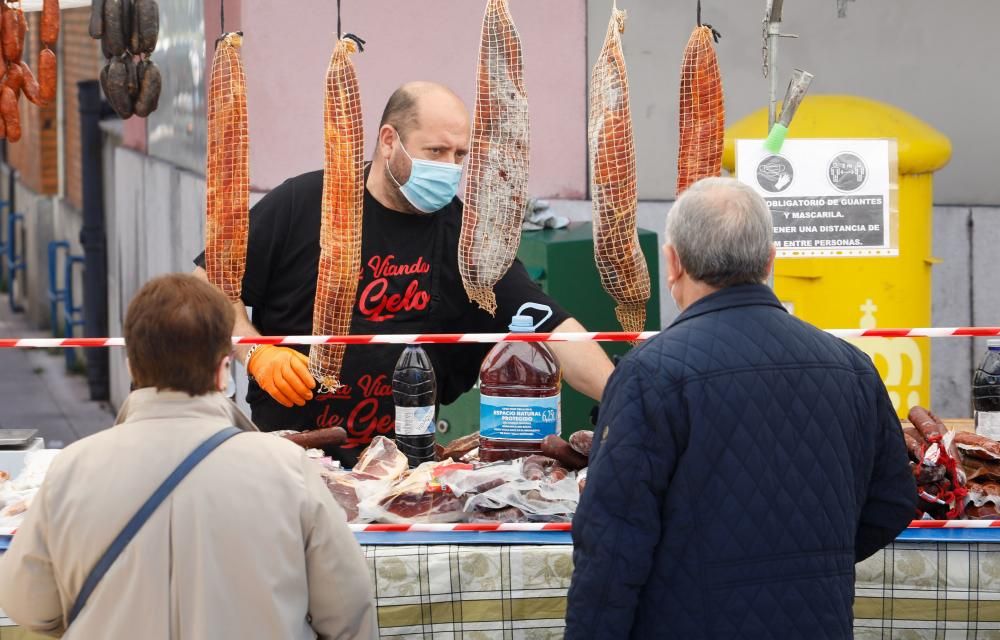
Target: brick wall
81, 61
34, 156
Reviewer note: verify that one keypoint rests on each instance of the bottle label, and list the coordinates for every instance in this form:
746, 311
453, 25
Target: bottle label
988, 424
414, 421
522, 419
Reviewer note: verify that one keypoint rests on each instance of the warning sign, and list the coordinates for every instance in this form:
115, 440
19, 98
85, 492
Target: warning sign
827, 197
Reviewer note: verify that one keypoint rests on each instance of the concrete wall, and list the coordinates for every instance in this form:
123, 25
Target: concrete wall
930, 58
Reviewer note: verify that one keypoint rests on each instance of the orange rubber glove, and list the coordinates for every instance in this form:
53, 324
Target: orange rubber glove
283, 373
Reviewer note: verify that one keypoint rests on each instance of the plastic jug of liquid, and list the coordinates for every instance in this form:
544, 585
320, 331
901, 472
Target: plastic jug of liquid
520, 385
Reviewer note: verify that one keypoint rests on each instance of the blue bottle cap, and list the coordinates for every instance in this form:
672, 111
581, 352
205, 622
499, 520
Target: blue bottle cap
522, 324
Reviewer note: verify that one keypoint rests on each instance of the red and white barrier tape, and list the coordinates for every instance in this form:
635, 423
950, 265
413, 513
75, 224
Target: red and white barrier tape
566, 526
473, 338
954, 524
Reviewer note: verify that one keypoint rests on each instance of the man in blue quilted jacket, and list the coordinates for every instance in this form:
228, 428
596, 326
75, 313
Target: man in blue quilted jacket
743, 460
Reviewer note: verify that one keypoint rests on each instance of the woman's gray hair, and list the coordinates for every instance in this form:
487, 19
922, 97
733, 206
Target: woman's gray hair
721, 230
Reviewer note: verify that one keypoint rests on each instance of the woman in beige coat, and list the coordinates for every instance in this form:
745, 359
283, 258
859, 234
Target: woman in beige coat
249, 545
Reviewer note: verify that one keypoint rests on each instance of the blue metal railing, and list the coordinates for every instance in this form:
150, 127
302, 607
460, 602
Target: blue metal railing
73, 316
4, 281
64, 295
57, 294
13, 261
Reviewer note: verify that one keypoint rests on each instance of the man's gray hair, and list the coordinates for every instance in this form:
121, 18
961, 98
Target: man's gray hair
721, 230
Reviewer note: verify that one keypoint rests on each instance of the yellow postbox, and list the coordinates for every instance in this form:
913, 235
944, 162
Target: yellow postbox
869, 292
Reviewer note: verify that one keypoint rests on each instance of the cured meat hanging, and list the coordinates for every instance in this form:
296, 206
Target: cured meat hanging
127, 29
702, 112
17, 77
496, 191
340, 231
227, 173
619, 258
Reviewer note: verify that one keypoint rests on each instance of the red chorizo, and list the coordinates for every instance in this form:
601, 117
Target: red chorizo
50, 22
319, 438
11, 117
29, 85
12, 35
927, 423
47, 76
555, 447
14, 78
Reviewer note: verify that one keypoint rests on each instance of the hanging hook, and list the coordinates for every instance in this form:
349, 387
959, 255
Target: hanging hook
715, 33
340, 31
222, 15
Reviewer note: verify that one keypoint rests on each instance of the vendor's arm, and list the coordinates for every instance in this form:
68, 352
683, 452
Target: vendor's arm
585, 365
28, 591
282, 372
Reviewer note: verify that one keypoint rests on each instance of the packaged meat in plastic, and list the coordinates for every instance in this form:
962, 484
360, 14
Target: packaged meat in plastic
417, 497
351, 487
538, 487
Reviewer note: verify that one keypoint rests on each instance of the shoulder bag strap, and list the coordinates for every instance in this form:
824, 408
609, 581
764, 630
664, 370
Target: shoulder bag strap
142, 515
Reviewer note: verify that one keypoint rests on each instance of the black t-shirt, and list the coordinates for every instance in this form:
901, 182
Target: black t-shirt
409, 283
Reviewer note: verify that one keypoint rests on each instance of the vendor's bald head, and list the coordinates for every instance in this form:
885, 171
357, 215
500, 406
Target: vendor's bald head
415, 102
422, 121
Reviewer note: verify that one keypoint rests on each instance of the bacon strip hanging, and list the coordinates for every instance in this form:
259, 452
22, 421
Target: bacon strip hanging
496, 191
702, 113
619, 258
340, 231
227, 174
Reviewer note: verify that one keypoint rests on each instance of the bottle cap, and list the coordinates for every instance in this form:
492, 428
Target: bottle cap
993, 343
524, 324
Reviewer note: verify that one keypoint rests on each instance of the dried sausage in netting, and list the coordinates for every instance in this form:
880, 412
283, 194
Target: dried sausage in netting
227, 175
612, 160
496, 191
702, 114
340, 233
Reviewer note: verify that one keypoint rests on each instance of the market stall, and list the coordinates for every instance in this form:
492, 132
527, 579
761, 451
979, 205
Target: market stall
443, 572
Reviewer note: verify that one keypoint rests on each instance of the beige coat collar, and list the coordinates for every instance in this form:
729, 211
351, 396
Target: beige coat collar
150, 404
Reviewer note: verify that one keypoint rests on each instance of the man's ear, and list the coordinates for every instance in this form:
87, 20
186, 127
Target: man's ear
770, 261
674, 268
386, 138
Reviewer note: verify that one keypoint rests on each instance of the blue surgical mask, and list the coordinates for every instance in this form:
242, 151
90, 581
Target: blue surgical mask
432, 185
